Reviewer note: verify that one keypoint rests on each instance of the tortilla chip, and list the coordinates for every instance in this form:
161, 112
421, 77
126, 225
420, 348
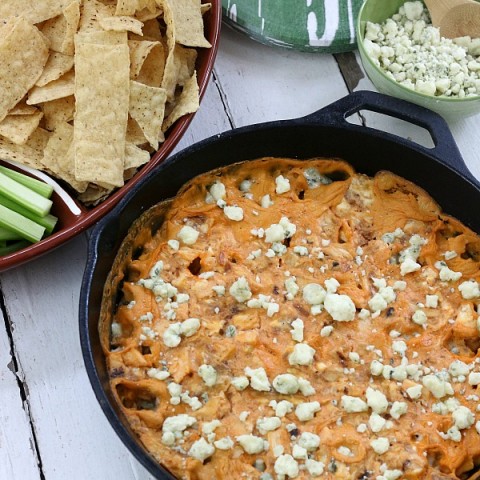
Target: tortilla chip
188, 102
102, 37
30, 154
147, 107
122, 24
7, 27
185, 59
61, 29
58, 156
39, 139
188, 22
135, 157
105, 186
92, 74
34, 11
129, 173
57, 146
134, 133
139, 52
127, 7
151, 30
23, 109
205, 7
55, 30
153, 66
150, 5
66, 165
23, 54
72, 17
178, 69
168, 80
92, 12
58, 111
61, 88
100, 124
57, 65
18, 128
94, 194
147, 14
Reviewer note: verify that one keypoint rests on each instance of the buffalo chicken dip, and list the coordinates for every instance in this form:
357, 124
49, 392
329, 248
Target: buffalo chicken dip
284, 319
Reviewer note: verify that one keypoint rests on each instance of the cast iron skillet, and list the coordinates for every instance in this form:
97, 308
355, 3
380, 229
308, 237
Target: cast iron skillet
440, 171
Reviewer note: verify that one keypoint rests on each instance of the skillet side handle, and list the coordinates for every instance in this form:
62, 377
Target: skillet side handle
445, 149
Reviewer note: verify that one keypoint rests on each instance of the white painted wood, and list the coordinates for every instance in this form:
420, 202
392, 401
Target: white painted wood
253, 83
209, 120
466, 133
17, 454
72, 433
262, 83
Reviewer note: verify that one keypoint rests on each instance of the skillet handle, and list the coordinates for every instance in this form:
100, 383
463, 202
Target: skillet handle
445, 149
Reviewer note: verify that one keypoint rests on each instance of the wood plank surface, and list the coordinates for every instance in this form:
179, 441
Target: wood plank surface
261, 83
72, 433
18, 457
209, 120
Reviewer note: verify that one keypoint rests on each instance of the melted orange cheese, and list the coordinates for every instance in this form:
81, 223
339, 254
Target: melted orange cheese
340, 228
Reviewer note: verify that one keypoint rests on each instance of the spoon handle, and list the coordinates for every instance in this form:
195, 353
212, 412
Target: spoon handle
439, 8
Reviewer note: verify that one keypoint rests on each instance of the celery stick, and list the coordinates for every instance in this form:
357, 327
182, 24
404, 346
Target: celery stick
13, 247
27, 229
6, 234
48, 221
24, 196
42, 188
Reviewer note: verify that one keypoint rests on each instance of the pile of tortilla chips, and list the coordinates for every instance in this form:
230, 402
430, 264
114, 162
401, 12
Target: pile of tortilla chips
89, 87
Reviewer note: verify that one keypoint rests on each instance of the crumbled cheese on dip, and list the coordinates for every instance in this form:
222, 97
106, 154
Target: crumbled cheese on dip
279, 365
188, 235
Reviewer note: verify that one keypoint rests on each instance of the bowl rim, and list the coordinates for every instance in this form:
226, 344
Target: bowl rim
89, 217
364, 55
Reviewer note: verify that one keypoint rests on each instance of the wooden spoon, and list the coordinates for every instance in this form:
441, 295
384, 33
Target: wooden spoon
455, 18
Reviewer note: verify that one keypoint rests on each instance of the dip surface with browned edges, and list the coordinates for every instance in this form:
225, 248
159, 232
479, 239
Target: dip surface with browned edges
295, 319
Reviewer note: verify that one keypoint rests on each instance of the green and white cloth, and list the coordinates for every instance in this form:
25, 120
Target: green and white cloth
326, 26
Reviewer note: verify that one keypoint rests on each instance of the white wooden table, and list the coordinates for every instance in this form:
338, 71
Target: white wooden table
51, 426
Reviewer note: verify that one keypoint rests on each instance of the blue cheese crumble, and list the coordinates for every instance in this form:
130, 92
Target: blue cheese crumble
410, 50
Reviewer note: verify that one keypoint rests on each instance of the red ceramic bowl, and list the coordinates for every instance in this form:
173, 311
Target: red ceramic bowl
73, 217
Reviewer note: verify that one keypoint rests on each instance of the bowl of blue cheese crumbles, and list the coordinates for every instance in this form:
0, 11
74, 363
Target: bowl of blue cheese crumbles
405, 56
